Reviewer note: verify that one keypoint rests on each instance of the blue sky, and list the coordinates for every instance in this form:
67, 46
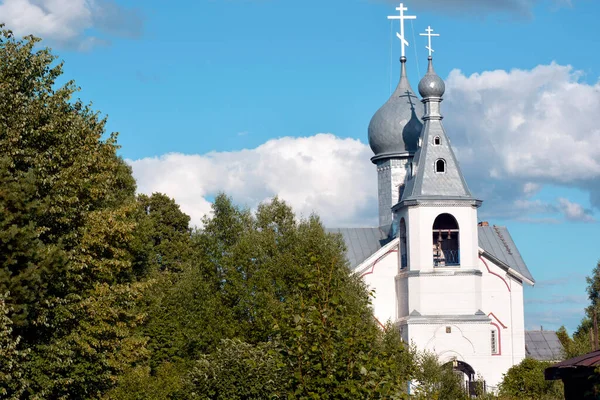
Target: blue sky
264, 97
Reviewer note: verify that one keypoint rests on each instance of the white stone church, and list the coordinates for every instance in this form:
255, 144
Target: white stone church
451, 284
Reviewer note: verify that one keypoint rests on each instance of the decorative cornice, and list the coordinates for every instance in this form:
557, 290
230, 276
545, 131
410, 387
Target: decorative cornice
440, 202
383, 156
440, 271
391, 164
412, 319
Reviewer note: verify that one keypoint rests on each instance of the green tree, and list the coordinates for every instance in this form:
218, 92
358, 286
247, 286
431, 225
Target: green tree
437, 381
167, 382
169, 233
581, 341
12, 382
585, 336
185, 319
239, 371
592, 311
287, 281
69, 230
265, 286
526, 381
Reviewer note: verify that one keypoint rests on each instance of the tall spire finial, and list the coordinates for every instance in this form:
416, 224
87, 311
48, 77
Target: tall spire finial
402, 17
429, 34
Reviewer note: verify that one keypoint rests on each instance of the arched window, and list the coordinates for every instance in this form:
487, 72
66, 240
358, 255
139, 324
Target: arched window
446, 250
440, 166
403, 253
437, 141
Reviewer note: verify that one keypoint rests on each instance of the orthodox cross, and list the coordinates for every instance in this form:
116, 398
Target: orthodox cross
429, 34
402, 17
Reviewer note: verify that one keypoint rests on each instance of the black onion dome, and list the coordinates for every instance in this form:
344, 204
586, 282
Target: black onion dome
395, 128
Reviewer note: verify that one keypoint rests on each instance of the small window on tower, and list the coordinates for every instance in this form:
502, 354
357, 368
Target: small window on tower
440, 166
494, 341
437, 141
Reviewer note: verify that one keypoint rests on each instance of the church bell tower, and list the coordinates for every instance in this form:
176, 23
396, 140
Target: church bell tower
439, 276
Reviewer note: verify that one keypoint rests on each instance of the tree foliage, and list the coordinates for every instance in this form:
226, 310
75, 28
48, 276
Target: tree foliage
266, 283
582, 340
68, 223
167, 382
579, 343
436, 380
526, 381
12, 358
239, 371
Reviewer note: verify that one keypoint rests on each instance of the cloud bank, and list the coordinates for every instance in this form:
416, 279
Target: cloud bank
68, 22
324, 174
514, 132
517, 131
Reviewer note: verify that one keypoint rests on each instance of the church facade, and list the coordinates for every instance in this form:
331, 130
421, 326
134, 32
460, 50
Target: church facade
451, 284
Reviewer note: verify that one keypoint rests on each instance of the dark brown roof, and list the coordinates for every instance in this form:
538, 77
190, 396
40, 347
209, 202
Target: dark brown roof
577, 365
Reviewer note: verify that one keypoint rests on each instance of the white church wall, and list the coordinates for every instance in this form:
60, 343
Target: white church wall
445, 293
402, 296
461, 341
518, 320
379, 276
503, 303
486, 287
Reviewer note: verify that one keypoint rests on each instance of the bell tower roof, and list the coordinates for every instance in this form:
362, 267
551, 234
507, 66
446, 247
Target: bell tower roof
436, 172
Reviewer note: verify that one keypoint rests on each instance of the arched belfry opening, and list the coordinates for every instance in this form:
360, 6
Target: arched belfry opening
446, 250
403, 247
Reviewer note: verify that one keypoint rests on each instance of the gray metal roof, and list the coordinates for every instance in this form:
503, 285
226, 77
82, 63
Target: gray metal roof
543, 346
361, 243
497, 243
425, 182
395, 128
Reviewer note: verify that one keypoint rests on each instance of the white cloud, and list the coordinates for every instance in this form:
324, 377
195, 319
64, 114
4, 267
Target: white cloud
574, 211
531, 188
514, 132
519, 130
321, 173
65, 22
